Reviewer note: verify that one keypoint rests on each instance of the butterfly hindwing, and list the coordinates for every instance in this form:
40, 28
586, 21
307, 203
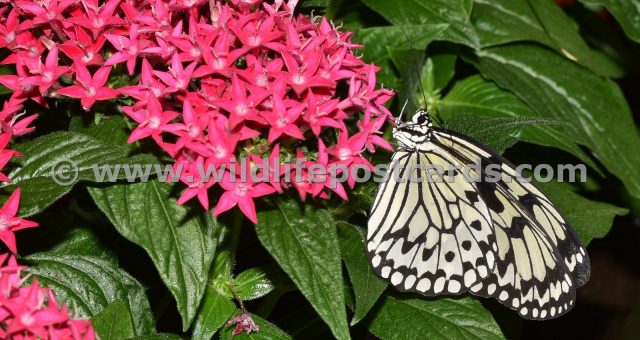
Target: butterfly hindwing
430, 237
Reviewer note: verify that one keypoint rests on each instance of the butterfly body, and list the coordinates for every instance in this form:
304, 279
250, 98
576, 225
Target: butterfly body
503, 239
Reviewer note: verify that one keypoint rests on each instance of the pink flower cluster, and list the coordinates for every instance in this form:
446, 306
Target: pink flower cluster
32, 312
211, 82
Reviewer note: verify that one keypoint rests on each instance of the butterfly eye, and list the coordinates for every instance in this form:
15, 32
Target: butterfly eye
421, 117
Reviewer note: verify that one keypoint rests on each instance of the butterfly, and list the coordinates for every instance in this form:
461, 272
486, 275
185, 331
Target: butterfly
503, 238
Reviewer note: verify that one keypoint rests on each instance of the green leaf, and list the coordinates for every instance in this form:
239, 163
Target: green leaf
113, 322
214, 311
463, 318
88, 284
505, 21
303, 241
366, 285
159, 336
110, 129
565, 36
179, 241
252, 284
268, 331
594, 108
454, 13
34, 172
590, 219
439, 68
478, 96
627, 12
497, 133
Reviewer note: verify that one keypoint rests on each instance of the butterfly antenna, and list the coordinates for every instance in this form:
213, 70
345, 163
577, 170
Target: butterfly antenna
415, 66
436, 116
399, 118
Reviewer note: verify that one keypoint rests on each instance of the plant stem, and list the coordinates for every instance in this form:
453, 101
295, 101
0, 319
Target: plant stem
234, 237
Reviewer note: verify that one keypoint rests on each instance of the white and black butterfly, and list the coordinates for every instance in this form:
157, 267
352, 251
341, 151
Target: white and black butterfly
503, 239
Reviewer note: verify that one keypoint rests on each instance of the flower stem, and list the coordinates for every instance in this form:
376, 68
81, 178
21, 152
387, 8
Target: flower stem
234, 237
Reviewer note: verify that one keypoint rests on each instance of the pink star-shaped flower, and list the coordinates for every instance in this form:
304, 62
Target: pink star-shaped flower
9, 223
241, 193
152, 120
89, 88
240, 106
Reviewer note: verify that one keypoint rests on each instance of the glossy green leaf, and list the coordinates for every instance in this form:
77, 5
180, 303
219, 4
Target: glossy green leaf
627, 12
497, 133
480, 97
594, 108
57, 152
110, 129
113, 322
590, 219
88, 284
504, 21
180, 241
303, 241
252, 284
214, 312
268, 331
454, 13
159, 336
443, 318
367, 287
379, 41
439, 67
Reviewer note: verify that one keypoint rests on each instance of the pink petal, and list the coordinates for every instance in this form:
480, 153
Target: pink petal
10, 207
8, 238
73, 91
101, 76
227, 201
248, 208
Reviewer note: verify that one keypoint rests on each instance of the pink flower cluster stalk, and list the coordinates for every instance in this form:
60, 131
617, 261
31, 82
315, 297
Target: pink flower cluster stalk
212, 81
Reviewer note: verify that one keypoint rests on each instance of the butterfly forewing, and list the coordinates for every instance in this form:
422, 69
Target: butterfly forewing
527, 196
540, 259
429, 236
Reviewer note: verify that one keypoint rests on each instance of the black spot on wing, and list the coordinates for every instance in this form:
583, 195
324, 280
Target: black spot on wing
476, 225
449, 256
466, 244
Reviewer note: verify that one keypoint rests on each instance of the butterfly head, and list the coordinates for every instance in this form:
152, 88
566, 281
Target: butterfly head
414, 133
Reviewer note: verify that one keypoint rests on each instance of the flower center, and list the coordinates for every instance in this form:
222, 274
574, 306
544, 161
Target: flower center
10, 37
261, 80
91, 91
241, 189
344, 154
98, 22
282, 122
27, 319
242, 109
219, 152
154, 122
219, 63
193, 130
254, 41
298, 79
88, 57
47, 76
195, 52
